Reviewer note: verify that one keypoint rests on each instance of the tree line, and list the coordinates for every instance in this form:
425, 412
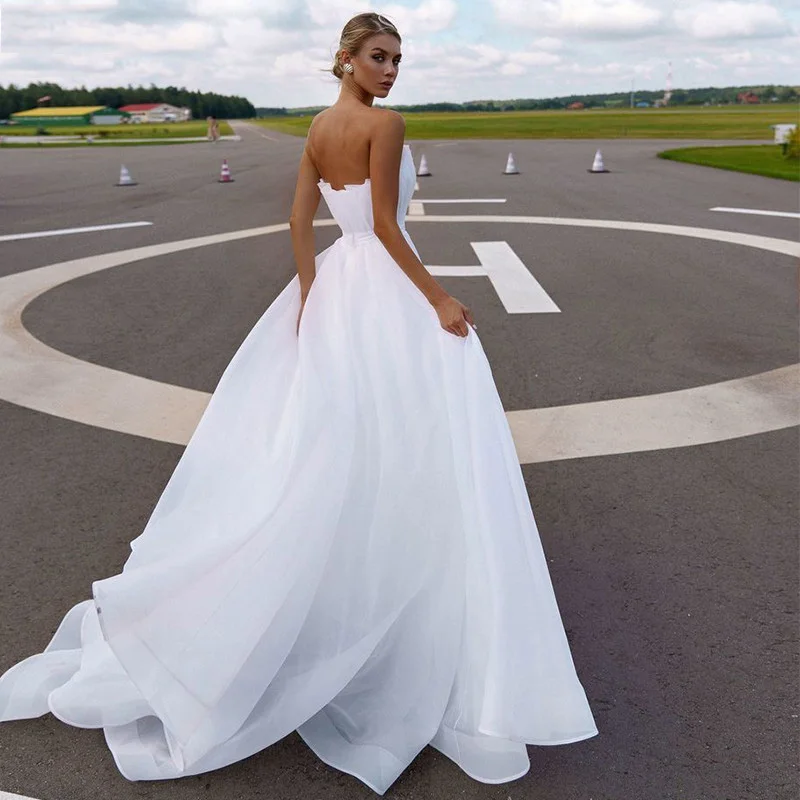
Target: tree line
202, 104
712, 95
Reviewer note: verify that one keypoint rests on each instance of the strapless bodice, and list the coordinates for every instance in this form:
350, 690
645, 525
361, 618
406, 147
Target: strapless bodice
351, 206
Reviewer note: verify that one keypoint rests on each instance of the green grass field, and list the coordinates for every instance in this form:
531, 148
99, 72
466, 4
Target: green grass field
127, 131
764, 160
686, 122
725, 122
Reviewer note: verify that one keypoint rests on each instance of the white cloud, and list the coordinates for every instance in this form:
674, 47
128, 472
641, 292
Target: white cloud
188, 37
427, 16
604, 17
249, 37
275, 53
96, 62
520, 63
730, 19
701, 64
613, 68
548, 43
446, 63
737, 58
50, 7
229, 8
534, 58
278, 14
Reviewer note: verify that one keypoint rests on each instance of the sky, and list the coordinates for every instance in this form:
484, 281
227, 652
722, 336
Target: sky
275, 52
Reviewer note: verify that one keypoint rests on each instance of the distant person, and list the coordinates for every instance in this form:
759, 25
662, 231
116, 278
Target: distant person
213, 129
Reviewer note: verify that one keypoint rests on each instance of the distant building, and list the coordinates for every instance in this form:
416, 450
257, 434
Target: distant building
70, 116
576, 105
643, 104
157, 112
747, 97
783, 131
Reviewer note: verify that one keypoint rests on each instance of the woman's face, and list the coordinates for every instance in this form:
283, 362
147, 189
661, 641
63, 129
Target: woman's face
378, 63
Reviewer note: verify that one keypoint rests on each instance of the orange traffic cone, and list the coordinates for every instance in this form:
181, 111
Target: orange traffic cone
225, 174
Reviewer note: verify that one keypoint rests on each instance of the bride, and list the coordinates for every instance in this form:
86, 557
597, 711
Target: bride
346, 547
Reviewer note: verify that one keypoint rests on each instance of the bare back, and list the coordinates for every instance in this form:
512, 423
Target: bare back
339, 144
348, 145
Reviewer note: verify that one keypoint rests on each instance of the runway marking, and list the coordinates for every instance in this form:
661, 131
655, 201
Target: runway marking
9, 796
518, 290
790, 214
784, 246
456, 272
462, 200
255, 129
688, 417
514, 283
417, 206
12, 237
39, 377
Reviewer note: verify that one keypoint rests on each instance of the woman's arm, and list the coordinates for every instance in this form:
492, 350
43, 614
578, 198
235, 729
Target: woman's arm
386, 150
304, 207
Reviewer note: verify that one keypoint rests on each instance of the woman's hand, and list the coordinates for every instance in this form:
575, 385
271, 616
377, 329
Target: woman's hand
300, 314
454, 316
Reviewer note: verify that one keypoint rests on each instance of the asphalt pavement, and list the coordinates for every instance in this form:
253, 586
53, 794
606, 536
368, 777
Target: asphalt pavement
675, 568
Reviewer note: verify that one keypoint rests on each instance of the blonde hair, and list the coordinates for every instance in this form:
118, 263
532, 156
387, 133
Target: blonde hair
356, 31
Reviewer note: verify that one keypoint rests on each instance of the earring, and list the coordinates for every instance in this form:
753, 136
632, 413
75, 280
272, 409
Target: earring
348, 68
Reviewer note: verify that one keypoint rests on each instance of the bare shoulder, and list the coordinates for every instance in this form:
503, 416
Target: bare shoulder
311, 135
319, 115
388, 128
387, 120
389, 114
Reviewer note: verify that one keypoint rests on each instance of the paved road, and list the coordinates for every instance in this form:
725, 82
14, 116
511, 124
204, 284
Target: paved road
675, 569
51, 139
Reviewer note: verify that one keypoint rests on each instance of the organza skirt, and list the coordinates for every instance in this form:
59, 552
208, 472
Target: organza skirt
346, 548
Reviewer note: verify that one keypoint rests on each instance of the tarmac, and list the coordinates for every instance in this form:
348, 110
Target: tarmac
98, 139
646, 354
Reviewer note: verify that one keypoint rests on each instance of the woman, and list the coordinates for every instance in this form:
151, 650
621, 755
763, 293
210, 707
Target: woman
346, 547
213, 129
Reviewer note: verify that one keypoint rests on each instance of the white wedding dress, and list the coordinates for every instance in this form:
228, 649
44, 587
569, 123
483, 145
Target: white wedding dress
346, 548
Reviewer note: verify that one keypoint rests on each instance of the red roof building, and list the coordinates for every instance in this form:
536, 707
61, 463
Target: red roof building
156, 112
134, 107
